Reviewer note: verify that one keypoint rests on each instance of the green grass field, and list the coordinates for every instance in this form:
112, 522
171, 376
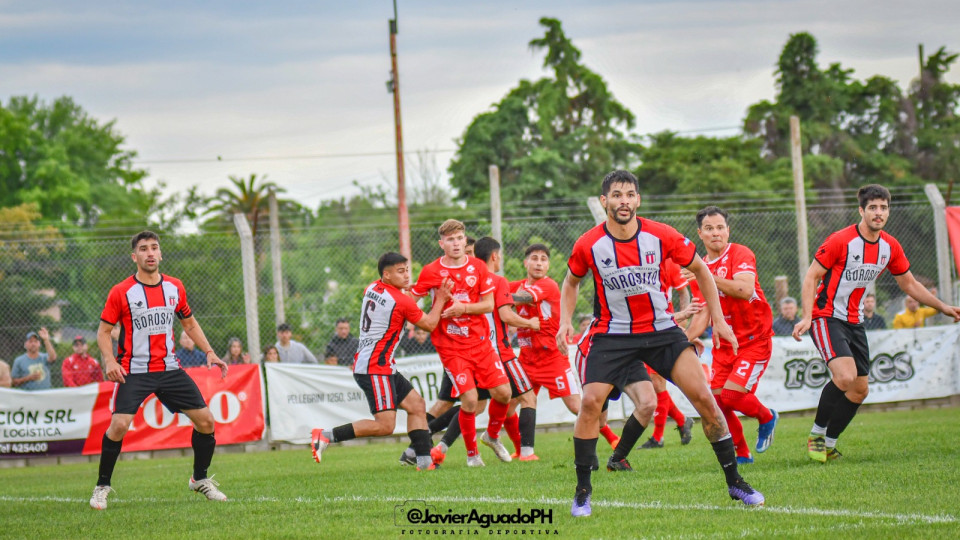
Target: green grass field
899, 478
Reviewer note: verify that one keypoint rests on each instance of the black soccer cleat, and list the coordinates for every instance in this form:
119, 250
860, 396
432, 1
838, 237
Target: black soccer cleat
615, 465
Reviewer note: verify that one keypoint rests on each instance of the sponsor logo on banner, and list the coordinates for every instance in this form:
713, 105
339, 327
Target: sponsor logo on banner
884, 368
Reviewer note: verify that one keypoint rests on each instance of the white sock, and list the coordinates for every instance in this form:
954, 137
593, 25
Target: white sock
424, 462
409, 452
831, 443
818, 430
526, 451
443, 447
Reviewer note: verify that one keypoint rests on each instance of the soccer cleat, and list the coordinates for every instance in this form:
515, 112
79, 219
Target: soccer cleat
98, 501
744, 460
765, 433
686, 431
515, 455
742, 491
817, 448
408, 458
437, 455
475, 461
319, 443
581, 504
208, 488
497, 446
433, 466
618, 465
531, 457
651, 443
833, 454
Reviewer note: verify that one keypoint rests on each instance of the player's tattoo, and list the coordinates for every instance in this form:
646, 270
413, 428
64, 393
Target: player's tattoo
522, 297
714, 430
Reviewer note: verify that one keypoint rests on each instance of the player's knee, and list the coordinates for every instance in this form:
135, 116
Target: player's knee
844, 381
592, 405
384, 427
117, 430
416, 406
501, 394
204, 424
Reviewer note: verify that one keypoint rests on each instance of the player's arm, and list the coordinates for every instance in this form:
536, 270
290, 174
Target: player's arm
742, 286
568, 304
709, 291
114, 371
5, 380
485, 305
523, 296
430, 320
915, 289
814, 274
511, 317
192, 328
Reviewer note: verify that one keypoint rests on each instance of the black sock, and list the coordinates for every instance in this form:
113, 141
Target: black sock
585, 460
453, 431
843, 413
828, 402
528, 426
108, 459
632, 430
343, 433
430, 418
441, 422
420, 441
203, 445
727, 456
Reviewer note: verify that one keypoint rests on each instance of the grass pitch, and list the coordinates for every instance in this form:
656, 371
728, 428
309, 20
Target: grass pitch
898, 478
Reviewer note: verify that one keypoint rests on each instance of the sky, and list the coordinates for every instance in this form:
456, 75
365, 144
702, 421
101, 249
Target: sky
296, 90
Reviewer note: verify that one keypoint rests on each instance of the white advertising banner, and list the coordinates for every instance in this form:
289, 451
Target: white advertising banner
304, 397
58, 420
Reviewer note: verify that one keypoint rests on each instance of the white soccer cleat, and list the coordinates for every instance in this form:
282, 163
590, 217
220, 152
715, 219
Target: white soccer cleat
98, 501
208, 488
496, 446
475, 461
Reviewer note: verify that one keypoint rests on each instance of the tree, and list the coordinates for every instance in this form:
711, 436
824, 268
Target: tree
250, 196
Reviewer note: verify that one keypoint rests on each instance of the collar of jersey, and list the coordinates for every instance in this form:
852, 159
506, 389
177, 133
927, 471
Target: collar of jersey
631, 239
724, 252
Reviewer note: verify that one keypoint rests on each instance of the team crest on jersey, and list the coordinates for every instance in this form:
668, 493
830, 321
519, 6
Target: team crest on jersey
462, 379
722, 272
883, 259
444, 273
471, 280
172, 300
650, 256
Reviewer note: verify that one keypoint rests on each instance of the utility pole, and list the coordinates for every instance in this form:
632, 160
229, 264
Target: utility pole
393, 86
799, 196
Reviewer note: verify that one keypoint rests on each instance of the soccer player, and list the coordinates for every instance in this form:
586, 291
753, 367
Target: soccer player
383, 315
832, 297
745, 308
144, 305
462, 337
633, 325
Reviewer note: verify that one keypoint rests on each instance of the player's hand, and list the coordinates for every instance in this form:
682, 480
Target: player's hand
723, 330
954, 312
565, 330
534, 323
35, 376
698, 345
687, 274
455, 310
692, 309
115, 372
801, 328
444, 292
214, 360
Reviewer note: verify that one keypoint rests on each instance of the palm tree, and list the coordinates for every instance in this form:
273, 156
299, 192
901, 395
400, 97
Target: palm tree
249, 196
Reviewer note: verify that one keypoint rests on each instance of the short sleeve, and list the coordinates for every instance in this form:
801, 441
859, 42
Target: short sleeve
183, 309
830, 251
579, 261
679, 247
484, 278
502, 296
426, 281
899, 264
672, 276
113, 308
545, 289
409, 309
744, 261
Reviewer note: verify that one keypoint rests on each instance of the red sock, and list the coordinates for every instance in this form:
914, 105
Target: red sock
735, 427
675, 413
608, 433
468, 428
660, 415
497, 413
512, 425
748, 404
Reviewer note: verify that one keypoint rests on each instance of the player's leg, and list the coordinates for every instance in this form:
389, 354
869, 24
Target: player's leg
723, 366
520, 387
497, 414
836, 348
585, 433
855, 392
660, 414
739, 390
441, 416
643, 396
527, 423
417, 430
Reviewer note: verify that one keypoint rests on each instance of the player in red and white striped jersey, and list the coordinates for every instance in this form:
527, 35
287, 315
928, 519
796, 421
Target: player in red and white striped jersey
384, 312
848, 261
145, 305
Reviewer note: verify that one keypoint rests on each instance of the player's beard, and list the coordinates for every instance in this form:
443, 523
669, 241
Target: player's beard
872, 225
614, 213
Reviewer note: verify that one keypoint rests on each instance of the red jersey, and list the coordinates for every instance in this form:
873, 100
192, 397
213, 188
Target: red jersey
853, 263
498, 329
384, 312
81, 369
471, 281
145, 314
673, 279
751, 319
540, 346
631, 294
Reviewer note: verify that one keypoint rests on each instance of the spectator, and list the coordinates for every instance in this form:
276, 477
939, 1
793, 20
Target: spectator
187, 354
270, 354
235, 354
784, 323
291, 351
5, 380
342, 346
913, 315
80, 368
584, 324
417, 342
871, 319
30, 370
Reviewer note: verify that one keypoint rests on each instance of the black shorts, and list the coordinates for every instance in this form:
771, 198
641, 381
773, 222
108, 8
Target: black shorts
618, 359
637, 372
446, 391
835, 338
384, 392
175, 389
519, 382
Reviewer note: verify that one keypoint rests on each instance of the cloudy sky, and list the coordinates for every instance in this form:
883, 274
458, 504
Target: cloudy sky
296, 89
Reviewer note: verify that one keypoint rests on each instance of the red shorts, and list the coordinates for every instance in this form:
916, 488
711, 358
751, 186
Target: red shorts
744, 369
552, 372
474, 369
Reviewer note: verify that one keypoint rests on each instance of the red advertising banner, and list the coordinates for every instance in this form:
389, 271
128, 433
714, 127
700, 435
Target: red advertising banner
236, 403
953, 231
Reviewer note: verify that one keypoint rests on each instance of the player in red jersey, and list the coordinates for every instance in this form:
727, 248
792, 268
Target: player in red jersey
745, 308
383, 315
144, 305
832, 296
634, 326
462, 337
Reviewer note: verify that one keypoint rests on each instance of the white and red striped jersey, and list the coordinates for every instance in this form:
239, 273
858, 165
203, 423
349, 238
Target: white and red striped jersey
145, 314
384, 311
853, 263
631, 292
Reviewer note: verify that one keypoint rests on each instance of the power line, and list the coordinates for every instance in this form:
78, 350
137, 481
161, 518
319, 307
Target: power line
219, 159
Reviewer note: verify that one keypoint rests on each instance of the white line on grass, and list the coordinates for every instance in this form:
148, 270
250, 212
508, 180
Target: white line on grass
654, 505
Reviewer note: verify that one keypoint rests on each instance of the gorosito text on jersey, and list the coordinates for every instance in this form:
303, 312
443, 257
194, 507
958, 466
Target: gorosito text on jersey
863, 275
153, 321
632, 280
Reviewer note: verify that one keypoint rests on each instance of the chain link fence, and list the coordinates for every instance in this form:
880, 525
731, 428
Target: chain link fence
63, 284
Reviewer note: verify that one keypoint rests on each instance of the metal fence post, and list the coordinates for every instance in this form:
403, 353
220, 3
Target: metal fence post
249, 283
942, 242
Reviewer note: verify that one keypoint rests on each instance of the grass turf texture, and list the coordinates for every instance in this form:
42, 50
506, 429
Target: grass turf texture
898, 479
